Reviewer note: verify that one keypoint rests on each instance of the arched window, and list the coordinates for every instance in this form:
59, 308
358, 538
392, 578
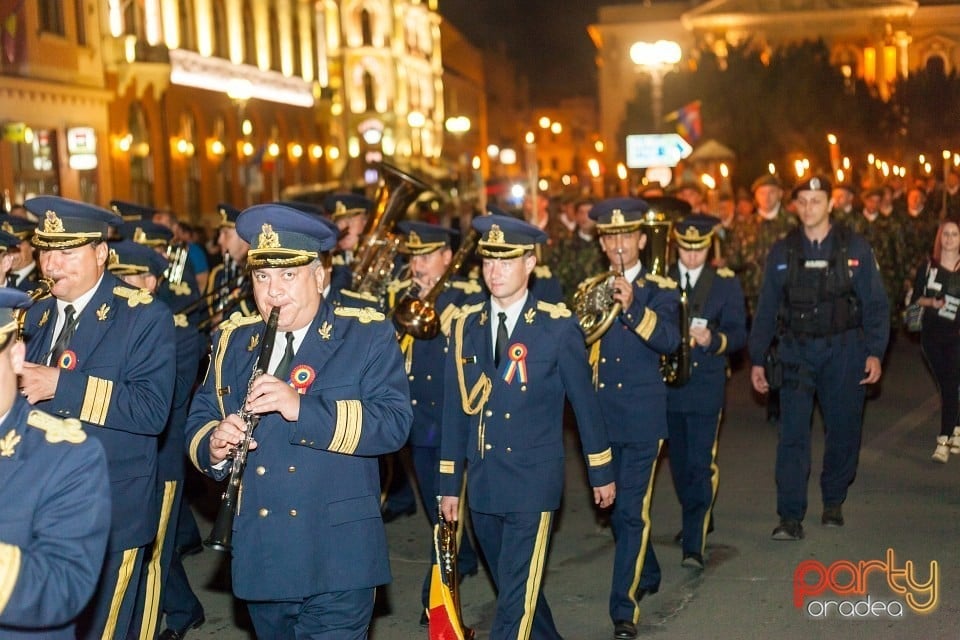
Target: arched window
297, 54
249, 33
133, 19
369, 94
188, 35
191, 201
274, 39
141, 161
366, 29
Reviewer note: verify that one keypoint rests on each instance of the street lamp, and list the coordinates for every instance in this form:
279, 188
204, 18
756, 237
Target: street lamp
417, 121
656, 58
457, 126
240, 90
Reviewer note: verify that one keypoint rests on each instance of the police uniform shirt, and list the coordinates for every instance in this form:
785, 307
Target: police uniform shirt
865, 281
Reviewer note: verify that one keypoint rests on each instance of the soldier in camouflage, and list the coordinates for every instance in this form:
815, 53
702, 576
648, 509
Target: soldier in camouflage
919, 232
883, 233
577, 256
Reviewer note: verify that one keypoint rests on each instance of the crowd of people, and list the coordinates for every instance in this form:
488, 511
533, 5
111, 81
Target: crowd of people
284, 362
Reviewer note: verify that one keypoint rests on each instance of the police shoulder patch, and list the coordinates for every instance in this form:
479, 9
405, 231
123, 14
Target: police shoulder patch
558, 310
57, 429
364, 315
467, 286
724, 272
662, 281
134, 296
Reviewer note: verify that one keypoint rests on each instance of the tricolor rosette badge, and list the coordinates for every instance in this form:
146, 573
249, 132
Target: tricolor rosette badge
518, 363
301, 377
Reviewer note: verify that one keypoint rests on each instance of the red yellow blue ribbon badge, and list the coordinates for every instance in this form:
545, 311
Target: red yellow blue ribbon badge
518, 363
68, 360
301, 377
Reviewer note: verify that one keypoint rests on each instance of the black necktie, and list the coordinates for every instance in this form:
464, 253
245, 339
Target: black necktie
502, 338
687, 287
12, 280
286, 362
66, 332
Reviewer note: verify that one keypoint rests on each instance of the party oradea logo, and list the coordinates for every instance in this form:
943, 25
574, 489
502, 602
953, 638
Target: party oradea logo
866, 589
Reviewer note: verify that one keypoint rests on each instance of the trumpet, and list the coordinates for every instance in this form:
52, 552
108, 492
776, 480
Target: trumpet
221, 535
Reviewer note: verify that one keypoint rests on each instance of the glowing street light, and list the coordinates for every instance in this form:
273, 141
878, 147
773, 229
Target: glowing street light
656, 58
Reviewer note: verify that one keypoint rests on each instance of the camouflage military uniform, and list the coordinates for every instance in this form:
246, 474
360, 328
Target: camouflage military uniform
918, 235
574, 260
746, 253
885, 237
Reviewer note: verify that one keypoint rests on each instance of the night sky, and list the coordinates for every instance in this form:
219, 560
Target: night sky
547, 39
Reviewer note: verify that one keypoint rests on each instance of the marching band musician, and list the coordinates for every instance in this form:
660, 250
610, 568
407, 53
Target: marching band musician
717, 327
633, 397
349, 212
141, 266
104, 353
9, 245
308, 546
228, 286
429, 257
53, 478
24, 274
511, 360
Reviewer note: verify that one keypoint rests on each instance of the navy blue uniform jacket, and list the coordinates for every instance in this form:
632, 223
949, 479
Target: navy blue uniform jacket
309, 518
121, 388
513, 445
53, 525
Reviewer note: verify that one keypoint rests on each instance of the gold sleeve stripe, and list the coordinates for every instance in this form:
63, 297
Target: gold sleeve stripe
198, 437
723, 343
346, 435
9, 572
447, 467
600, 459
96, 400
647, 324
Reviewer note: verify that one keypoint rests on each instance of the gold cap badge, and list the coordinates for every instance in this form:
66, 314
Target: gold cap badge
268, 238
52, 223
495, 235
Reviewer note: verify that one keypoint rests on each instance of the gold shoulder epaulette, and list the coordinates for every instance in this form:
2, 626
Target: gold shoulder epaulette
542, 271
237, 319
467, 286
133, 296
662, 281
558, 310
467, 309
338, 260
369, 297
398, 285
57, 429
725, 272
364, 315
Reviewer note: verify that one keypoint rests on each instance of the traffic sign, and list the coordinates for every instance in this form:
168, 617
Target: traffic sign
656, 150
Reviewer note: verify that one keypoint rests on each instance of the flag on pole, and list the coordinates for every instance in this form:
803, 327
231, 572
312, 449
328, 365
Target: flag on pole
686, 119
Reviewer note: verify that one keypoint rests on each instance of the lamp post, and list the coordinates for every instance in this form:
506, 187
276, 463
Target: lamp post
657, 59
458, 126
416, 120
239, 91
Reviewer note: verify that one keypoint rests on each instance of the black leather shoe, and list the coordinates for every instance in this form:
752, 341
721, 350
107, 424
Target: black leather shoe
389, 515
180, 634
624, 629
424, 619
692, 561
788, 530
832, 516
642, 592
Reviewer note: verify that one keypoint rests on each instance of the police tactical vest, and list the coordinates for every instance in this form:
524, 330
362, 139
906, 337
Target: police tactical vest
819, 298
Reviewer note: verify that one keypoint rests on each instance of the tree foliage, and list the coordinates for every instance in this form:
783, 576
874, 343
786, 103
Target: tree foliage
779, 106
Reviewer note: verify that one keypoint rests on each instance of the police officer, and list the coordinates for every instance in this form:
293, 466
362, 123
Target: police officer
511, 360
822, 289
104, 353
427, 247
308, 546
141, 266
633, 398
55, 478
717, 326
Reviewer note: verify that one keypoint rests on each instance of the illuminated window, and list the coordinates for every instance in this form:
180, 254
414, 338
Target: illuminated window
81, 22
274, 40
249, 33
188, 35
870, 65
221, 42
51, 16
889, 63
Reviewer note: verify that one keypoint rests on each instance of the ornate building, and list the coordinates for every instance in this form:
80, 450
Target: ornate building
876, 40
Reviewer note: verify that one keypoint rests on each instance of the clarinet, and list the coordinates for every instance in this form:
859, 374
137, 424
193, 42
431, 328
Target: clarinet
222, 533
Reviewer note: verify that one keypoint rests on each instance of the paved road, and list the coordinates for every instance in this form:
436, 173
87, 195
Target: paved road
901, 501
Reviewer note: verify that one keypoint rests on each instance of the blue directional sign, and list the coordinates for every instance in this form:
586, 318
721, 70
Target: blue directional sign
656, 150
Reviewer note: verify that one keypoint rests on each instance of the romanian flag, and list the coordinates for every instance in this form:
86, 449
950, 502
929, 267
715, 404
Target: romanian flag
686, 119
444, 613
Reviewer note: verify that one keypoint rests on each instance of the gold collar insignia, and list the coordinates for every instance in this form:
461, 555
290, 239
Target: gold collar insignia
325, 330
254, 341
44, 318
102, 312
530, 315
9, 443
483, 318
